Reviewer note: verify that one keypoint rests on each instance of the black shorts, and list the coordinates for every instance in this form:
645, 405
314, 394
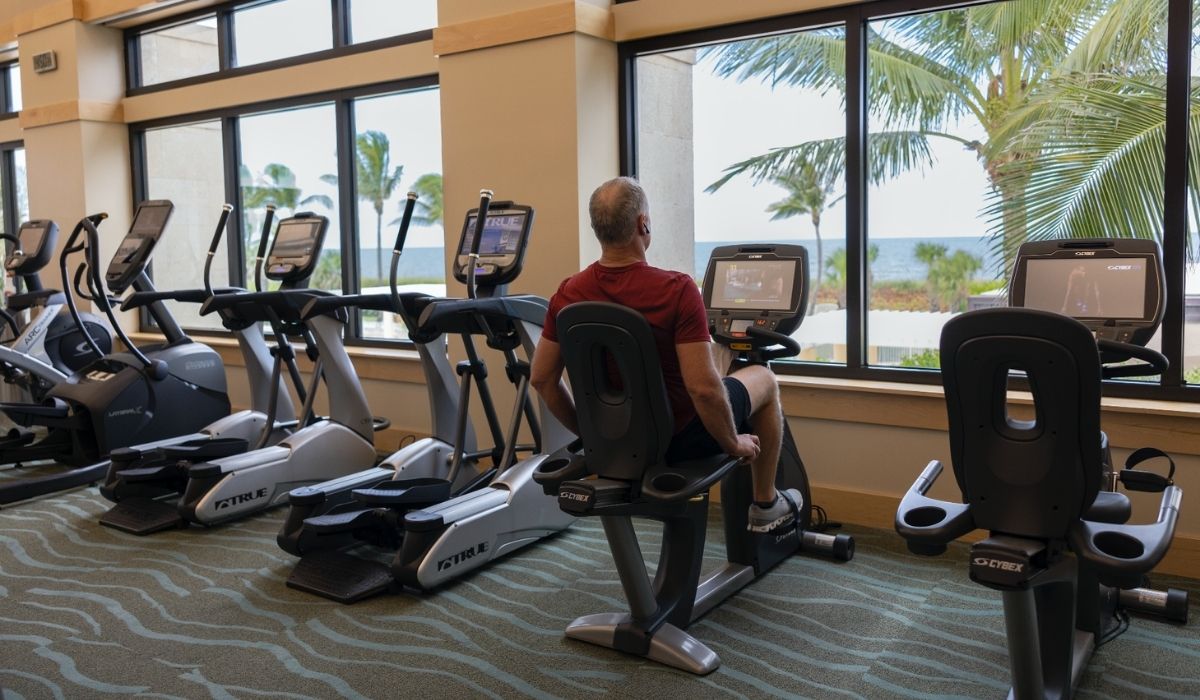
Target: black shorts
694, 442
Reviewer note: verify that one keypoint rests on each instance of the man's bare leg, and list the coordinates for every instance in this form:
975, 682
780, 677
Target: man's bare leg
766, 419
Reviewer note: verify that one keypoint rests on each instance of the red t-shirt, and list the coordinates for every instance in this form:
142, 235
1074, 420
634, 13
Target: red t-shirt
670, 302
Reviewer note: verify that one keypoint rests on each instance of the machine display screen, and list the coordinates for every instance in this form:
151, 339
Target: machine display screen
501, 234
1094, 288
150, 220
31, 238
295, 239
760, 285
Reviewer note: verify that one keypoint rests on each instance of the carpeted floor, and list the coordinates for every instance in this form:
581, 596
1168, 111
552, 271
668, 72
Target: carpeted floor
86, 611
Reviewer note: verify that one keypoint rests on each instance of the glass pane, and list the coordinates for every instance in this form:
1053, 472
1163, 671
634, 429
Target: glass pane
377, 19
184, 164
711, 124
990, 128
281, 29
399, 149
21, 185
179, 51
14, 83
289, 159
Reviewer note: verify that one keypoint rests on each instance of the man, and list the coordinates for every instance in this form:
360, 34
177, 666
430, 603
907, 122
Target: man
739, 415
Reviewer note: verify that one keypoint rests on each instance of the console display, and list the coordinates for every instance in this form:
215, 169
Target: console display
31, 238
150, 219
501, 234
753, 284
1102, 287
295, 238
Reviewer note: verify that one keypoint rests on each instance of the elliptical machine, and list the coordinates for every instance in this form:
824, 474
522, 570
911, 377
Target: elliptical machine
228, 487
1059, 549
143, 479
756, 297
45, 344
439, 521
145, 394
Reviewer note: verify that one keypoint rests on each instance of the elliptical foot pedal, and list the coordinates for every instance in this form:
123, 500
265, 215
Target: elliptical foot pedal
340, 577
143, 516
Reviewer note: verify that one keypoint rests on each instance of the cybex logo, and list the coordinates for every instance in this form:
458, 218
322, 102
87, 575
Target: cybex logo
83, 349
456, 559
1121, 267
239, 499
199, 364
575, 496
989, 563
1090, 253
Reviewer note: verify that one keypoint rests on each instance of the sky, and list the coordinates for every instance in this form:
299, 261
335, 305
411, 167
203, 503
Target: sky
733, 121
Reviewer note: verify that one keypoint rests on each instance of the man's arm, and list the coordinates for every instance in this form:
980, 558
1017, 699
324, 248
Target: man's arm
704, 386
546, 377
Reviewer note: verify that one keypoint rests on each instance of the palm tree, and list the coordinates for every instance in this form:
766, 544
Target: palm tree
377, 180
984, 63
430, 210
808, 192
835, 268
276, 184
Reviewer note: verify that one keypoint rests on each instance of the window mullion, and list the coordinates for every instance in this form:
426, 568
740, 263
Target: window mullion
234, 234
226, 46
856, 189
341, 23
348, 208
1175, 223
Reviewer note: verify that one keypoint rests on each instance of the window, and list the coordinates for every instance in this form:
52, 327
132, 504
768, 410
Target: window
294, 156
377, 19
392, 158
289, 159
183, 164
179, 51
281, 29
239, 36
982, 126
1191, 307
706, 134
14, 87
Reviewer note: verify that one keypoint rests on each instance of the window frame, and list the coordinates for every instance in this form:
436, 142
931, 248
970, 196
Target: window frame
347, 208
226, 50
855, 20
8, 186
6, 100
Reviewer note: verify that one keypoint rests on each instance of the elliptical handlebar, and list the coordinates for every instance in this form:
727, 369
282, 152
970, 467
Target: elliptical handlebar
264, 237
86, 226
401, 236
212, 248
1152, 361
485, 201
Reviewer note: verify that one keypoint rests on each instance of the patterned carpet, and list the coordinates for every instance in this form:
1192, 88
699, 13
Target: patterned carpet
86, 611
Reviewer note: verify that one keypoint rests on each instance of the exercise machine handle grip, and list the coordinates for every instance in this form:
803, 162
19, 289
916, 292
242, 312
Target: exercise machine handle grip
212, 247
1153, 362
790, 348
264, 236
928, 525
1122, 554
485, 202
410, 204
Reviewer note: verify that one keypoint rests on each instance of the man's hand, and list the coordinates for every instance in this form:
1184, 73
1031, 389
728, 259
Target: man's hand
747, 447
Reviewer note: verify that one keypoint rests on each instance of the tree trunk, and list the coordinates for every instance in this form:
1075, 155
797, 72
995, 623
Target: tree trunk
812, 301
378, 245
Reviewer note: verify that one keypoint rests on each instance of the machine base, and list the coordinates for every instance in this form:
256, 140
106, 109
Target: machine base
143, 516
339, 576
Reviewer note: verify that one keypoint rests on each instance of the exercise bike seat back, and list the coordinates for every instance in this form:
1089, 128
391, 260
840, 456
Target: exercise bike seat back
625, 419
1024, 478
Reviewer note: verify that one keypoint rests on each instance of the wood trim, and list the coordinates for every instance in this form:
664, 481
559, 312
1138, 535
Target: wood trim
878, 511
48, 15
72, 111
1168, 425
525, 25
8, 34
648, 18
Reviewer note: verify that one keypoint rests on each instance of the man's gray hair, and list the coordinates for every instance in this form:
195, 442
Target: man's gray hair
614, 209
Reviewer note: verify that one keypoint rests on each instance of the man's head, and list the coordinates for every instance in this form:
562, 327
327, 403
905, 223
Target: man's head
619, 212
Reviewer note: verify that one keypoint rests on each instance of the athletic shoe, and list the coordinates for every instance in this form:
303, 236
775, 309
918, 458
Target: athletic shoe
781, 513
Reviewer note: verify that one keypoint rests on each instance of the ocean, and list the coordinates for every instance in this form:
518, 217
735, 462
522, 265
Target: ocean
895, 261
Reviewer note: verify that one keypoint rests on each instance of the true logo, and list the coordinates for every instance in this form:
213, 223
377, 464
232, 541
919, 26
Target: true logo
239, 499
468, 553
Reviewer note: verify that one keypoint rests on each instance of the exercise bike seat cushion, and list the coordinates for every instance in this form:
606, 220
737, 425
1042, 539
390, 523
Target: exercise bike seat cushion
1109, 507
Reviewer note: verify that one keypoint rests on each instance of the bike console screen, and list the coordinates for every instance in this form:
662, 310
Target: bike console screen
761, 286
1113, 286
133, 255
502, 246
37, 239
296, 248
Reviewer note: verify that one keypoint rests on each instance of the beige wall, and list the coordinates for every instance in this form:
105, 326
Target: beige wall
528, 111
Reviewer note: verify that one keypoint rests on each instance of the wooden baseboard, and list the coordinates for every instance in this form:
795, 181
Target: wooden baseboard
878, 511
